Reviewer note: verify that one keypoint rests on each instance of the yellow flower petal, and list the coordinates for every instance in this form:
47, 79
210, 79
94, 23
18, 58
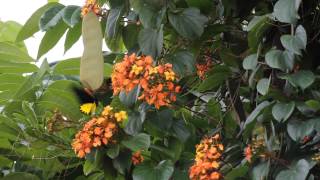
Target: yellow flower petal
88, 108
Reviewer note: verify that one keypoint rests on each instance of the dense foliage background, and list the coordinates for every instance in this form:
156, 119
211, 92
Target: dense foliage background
260, 91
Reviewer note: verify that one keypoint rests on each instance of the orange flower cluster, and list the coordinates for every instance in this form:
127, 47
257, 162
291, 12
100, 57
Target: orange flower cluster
257, 146
98, 131
90, 5
157, 82
203, 68
207, 161
137, 158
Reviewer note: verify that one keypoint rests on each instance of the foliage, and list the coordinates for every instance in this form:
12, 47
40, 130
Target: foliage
248, 72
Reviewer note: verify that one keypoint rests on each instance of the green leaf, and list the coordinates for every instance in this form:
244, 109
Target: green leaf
257, 28
17, 68
261, 171
313, 104
73, 35
287, 10
150, 13
301, 79
13, 53
189, 23
112, 22
91, 67
282, 111
113, 151
123, 162
180, 130
183, 63
297, 171
68, 67
151, 41
147, 171
9, 31
61, 95
250, 62
130, 36
19, 176
263, 86
135, 122
138, 142
283, 60
71, 15
297, 130
293, 43
51, 17
215, 78
51, 38
237, 172
214, 110
129, 98
32, 24
254, 114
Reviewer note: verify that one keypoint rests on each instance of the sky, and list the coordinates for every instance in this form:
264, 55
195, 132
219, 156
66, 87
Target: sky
21, 10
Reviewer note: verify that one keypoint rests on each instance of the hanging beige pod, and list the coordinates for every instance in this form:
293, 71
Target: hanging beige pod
91, 66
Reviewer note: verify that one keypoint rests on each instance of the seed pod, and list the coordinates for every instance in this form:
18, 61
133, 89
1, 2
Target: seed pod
92, 65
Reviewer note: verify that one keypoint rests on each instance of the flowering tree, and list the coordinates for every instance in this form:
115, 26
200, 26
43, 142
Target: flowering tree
190, 89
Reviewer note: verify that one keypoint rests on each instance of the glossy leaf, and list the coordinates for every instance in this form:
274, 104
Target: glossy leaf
297, 171
147, 171
138, 142
73, 35
189, 23
287, 11
32, 24
51, 17
263, 86
250, 62
282, 111
151, 41
283, 60
51, 38
301, 79
71, 15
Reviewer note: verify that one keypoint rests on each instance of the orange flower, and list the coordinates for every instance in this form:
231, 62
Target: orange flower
96, 132
248, 153
207, 160
157, 83
137, 158
203, 68
90, 5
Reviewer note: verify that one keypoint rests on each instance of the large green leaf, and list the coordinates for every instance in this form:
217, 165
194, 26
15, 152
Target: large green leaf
73, 35
51, 38
51, 17
71, 15
147, 171
13, 53
295, 43
261, 171
151, 41
205, 6
263, 86
136, 120
297, 171
257, 28
91, 67
301, 79
237, 172
150, 13
130, 36
9, 31
189, 23
61, 95
254, 114
287, 10
283, 60
112, 21
32, 24
297, 130
282, 111
138, 142
17, 68
250, 62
